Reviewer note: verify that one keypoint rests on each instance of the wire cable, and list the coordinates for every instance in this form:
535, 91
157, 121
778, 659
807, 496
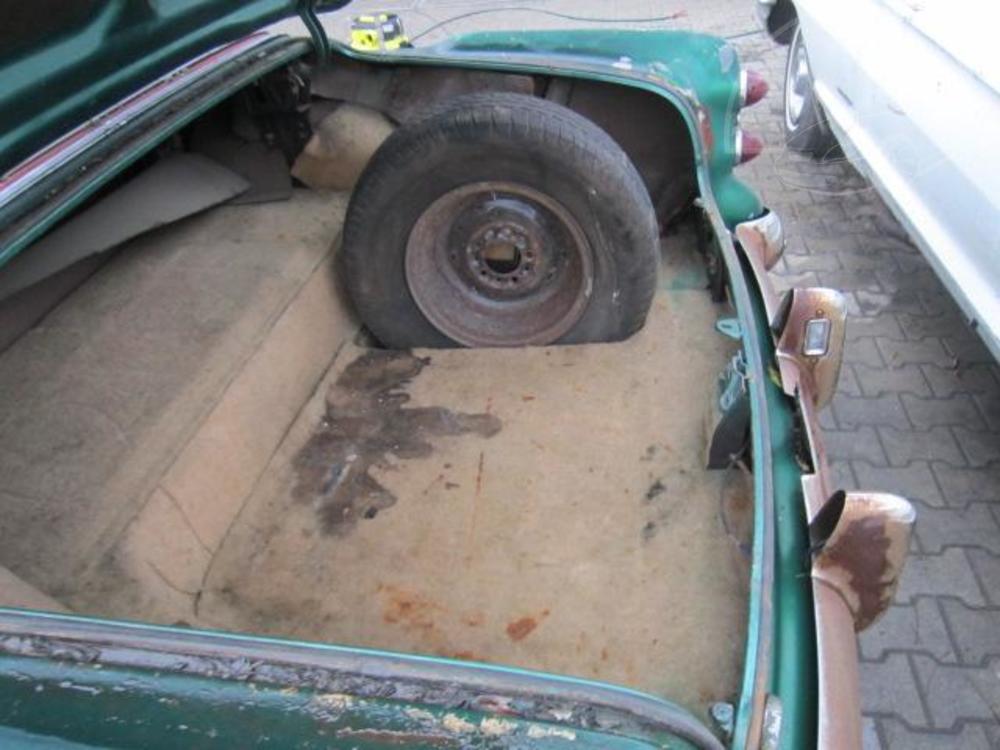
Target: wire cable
543, 11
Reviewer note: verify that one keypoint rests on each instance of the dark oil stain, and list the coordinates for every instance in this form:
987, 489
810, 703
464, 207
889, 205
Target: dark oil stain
648, 531
366, 421
521, 628
655, 489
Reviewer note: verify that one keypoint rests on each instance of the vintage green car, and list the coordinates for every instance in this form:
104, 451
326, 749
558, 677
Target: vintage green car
512, 443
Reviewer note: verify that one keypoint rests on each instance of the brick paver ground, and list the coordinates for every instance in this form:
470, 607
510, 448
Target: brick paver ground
918, 408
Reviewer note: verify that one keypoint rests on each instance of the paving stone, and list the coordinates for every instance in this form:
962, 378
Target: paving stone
987, 570
928, 351
918, 277
863, 352
862, 443
936, 444
971, 526
842, 476
914, 481
889, 686
878, 410
980, 448
804, 262
989, 407
900, 737
969, 350
847, 383
874, 325
976, 631
827, 421
938, 326
947, 574
850, 278
973, 378
831, 246
865, 260
963, 485
869, 734
898, 301
958, 409
909, 627
875, 381
992, 730
956, 693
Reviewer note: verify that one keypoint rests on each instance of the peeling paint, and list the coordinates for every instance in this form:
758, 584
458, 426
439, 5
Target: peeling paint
496, 727
538, 732
457, 724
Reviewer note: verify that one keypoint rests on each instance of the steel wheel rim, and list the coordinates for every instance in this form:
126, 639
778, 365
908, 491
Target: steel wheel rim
499, 264
798, 81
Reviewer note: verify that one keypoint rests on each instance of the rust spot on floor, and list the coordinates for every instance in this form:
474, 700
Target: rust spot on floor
464, 655
520, 629
409, 610
366, 421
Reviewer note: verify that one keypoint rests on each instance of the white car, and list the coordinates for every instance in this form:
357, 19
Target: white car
910, 90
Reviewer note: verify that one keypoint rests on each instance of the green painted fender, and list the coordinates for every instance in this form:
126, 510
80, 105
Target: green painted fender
697, 73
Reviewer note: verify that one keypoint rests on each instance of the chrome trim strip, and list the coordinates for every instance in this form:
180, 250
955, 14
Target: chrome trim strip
49, 159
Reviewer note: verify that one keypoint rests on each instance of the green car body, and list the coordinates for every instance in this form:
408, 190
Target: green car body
90, 682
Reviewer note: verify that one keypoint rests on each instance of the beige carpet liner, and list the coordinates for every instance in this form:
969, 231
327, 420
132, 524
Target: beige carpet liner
545, 508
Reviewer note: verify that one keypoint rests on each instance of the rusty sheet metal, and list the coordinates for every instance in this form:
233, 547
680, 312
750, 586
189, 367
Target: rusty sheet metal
752, 243
838, 724
862, 555
345, 676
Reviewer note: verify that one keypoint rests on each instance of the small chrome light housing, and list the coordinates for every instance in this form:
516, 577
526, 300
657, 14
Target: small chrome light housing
816, 341
746, 146
753, 87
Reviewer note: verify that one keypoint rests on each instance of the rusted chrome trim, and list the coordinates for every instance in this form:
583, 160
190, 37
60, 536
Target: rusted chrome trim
838, 725
840, 604
860, 541
766, 234
754, 246
363, 673
37, 166
799, 366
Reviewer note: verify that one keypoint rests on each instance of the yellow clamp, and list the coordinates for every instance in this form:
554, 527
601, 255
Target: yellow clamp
378, 31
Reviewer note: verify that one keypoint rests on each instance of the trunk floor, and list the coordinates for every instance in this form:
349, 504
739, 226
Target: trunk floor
545, 508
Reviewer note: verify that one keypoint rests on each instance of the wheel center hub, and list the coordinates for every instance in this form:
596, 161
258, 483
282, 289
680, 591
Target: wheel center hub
503, 255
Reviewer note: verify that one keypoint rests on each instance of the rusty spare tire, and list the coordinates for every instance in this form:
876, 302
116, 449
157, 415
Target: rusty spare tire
500, 220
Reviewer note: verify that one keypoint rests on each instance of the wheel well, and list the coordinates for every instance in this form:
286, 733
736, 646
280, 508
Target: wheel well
781, 22
653, 134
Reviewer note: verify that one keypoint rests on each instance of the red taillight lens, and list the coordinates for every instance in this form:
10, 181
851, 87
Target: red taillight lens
753, 87
748, 146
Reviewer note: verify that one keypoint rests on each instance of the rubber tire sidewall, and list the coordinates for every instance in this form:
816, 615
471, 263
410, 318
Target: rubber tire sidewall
811, 134
558, 153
